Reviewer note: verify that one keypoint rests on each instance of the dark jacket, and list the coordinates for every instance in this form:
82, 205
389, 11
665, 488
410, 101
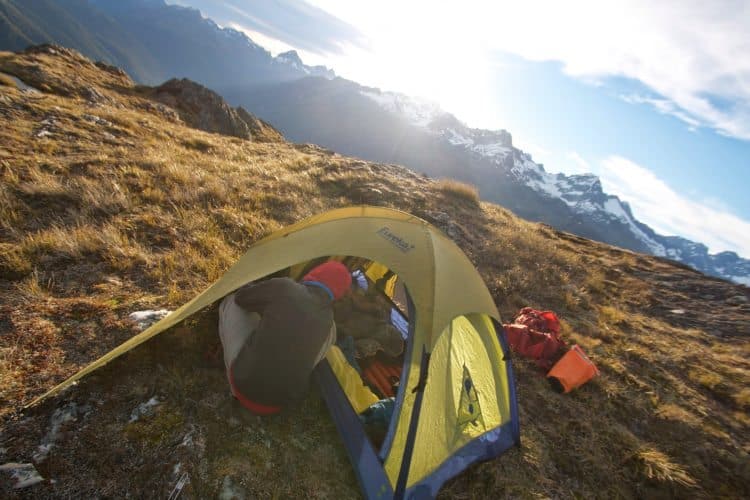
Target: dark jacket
274, 366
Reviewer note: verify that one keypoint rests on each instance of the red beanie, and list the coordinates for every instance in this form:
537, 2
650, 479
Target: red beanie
334, 275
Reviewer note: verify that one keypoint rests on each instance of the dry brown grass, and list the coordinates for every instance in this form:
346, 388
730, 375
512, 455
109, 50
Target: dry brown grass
7, 81
93, 228
459, 190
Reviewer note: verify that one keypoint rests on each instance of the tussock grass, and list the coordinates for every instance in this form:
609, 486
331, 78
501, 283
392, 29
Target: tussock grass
199, 144
90, 231
7, 81
459, 190
656, 466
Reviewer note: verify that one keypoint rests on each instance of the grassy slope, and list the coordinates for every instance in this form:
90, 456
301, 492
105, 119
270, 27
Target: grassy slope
100, 218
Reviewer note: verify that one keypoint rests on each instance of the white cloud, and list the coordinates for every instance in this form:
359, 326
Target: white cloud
667, 212
687, 52
664, 106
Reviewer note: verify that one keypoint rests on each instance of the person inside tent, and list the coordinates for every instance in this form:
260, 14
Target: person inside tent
276, 331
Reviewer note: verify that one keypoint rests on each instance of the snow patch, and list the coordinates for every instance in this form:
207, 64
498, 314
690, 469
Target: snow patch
742, 280
457, 139
417, 111
492, 150
614, 207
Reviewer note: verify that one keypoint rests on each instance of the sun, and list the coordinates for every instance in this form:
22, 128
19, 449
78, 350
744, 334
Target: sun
419, 49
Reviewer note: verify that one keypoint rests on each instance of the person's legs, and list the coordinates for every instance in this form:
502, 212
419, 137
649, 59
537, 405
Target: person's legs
235, 327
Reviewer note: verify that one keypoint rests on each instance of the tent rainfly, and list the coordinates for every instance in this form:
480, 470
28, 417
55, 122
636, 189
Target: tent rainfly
456, 402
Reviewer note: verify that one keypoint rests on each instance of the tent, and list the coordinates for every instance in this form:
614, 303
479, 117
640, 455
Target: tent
456, 402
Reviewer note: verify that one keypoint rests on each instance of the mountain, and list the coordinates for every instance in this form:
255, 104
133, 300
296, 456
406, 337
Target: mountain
112, 201
395, 128
151, 40
154, 41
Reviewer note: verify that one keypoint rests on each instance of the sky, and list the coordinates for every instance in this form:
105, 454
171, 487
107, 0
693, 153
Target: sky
653, 97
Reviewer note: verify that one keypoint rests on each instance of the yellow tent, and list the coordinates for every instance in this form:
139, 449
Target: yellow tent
456, 402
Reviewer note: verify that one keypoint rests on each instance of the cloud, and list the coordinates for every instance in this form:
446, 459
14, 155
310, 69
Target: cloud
294, 23
664, 106
694, 55
667, 212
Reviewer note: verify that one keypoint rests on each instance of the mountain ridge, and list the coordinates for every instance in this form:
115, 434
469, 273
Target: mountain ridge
155, 41
151, 40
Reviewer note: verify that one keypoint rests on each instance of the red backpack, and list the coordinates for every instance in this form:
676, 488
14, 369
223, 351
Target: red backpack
536, 334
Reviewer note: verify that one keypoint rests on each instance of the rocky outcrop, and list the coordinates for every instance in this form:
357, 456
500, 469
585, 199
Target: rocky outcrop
204, 109
201, 108
75, 81
261, 131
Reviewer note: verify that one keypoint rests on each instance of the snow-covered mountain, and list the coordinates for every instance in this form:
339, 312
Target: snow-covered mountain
292, 59
582, 195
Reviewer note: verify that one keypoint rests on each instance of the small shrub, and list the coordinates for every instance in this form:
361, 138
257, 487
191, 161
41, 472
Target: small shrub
656, 466
612, 315
201, 145
705, 378
459, 190
13, 263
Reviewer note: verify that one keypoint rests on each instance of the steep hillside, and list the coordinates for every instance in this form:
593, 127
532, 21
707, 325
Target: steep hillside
111, 203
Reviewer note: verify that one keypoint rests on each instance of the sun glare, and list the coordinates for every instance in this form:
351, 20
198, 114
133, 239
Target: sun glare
417, 49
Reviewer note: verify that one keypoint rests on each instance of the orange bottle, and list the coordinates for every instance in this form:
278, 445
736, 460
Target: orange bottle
573, 370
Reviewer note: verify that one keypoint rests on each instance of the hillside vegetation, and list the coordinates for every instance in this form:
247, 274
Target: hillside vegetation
110, 203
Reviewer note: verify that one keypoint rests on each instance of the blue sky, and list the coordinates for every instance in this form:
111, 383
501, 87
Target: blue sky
652, 97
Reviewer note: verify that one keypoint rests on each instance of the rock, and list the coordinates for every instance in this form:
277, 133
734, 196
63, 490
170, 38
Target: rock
201, 108
97, 120
737, 300
260, 130
144, 409
24, 475
444, 222
61, 416
144, 319
47, 128
112, 69
230, 491
56, 50
162, 110
94, 97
